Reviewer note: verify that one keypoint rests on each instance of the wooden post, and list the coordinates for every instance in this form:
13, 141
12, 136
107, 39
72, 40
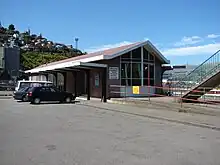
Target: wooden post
181, 101
104, 85
88, 84
148, 75
64, 80
75, 85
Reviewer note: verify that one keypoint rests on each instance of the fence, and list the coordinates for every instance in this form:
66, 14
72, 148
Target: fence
168, 95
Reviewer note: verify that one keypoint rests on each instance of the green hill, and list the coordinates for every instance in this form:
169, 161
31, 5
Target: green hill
35, 49
31, 60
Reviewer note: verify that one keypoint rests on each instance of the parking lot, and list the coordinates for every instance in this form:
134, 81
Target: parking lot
78, 134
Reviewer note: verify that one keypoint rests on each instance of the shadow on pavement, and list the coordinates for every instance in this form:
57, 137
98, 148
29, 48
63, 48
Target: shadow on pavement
73, 102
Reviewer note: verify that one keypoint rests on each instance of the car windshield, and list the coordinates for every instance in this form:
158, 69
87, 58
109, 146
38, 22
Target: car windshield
24, 84
23, 89
30, 89
56, 89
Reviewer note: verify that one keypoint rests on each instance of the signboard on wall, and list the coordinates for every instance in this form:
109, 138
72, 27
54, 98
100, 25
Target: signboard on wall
114, 73
135, 90
96, 79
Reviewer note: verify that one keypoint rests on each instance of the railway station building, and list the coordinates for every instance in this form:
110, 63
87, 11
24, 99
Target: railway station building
110, 73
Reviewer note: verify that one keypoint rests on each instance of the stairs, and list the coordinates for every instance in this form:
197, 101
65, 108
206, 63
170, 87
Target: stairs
202, 79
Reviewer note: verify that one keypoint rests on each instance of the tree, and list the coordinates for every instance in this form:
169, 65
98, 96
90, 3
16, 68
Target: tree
11, 27
17, 32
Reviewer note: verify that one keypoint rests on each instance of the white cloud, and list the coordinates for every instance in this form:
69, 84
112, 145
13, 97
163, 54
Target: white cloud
189, 41
213, 36
192, 50
108, 46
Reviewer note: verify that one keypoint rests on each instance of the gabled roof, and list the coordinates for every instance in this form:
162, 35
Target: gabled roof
102, 55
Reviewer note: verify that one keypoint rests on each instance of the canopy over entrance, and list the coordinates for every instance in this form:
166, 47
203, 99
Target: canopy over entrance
67, 67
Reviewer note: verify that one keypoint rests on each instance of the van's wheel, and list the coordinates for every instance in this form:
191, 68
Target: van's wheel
67, 99
36, 100
24, 98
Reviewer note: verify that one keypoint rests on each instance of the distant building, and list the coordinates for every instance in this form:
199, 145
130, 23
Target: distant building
177, 73
10, 61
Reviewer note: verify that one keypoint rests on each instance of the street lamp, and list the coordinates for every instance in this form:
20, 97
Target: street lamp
76, 40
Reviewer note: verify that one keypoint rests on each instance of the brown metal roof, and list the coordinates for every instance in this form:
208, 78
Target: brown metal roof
104, 52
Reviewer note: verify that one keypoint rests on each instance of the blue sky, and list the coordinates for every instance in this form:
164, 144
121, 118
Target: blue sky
185, 31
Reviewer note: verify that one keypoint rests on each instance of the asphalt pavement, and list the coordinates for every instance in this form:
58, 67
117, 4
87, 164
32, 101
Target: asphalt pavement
82, 134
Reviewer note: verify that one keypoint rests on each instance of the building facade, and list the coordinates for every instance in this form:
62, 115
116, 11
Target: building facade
139, 65
10, 61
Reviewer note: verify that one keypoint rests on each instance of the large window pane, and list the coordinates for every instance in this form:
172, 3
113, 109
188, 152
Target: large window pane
148, 81
145, 70
126, 55
136, 54
145, 55
151, 57
126, 82
136, 82
125, 70
136, 70
151, 71
152, 82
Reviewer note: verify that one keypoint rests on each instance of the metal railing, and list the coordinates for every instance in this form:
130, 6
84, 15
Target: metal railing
168, 97
205, 70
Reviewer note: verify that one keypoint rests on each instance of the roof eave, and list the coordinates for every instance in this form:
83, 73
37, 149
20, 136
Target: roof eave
161, 57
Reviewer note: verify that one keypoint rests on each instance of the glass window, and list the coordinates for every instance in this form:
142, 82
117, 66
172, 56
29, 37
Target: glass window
125, 70
136, 82
136, 54
145, 70
52, 90
145, 55
126, 56
24, 84
146, 82
126, 82
150, 81
136, 70
151, 57
23, 89
42, 89
151, 71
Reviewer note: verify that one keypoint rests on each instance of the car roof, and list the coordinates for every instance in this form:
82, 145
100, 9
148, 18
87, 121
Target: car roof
35, 81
